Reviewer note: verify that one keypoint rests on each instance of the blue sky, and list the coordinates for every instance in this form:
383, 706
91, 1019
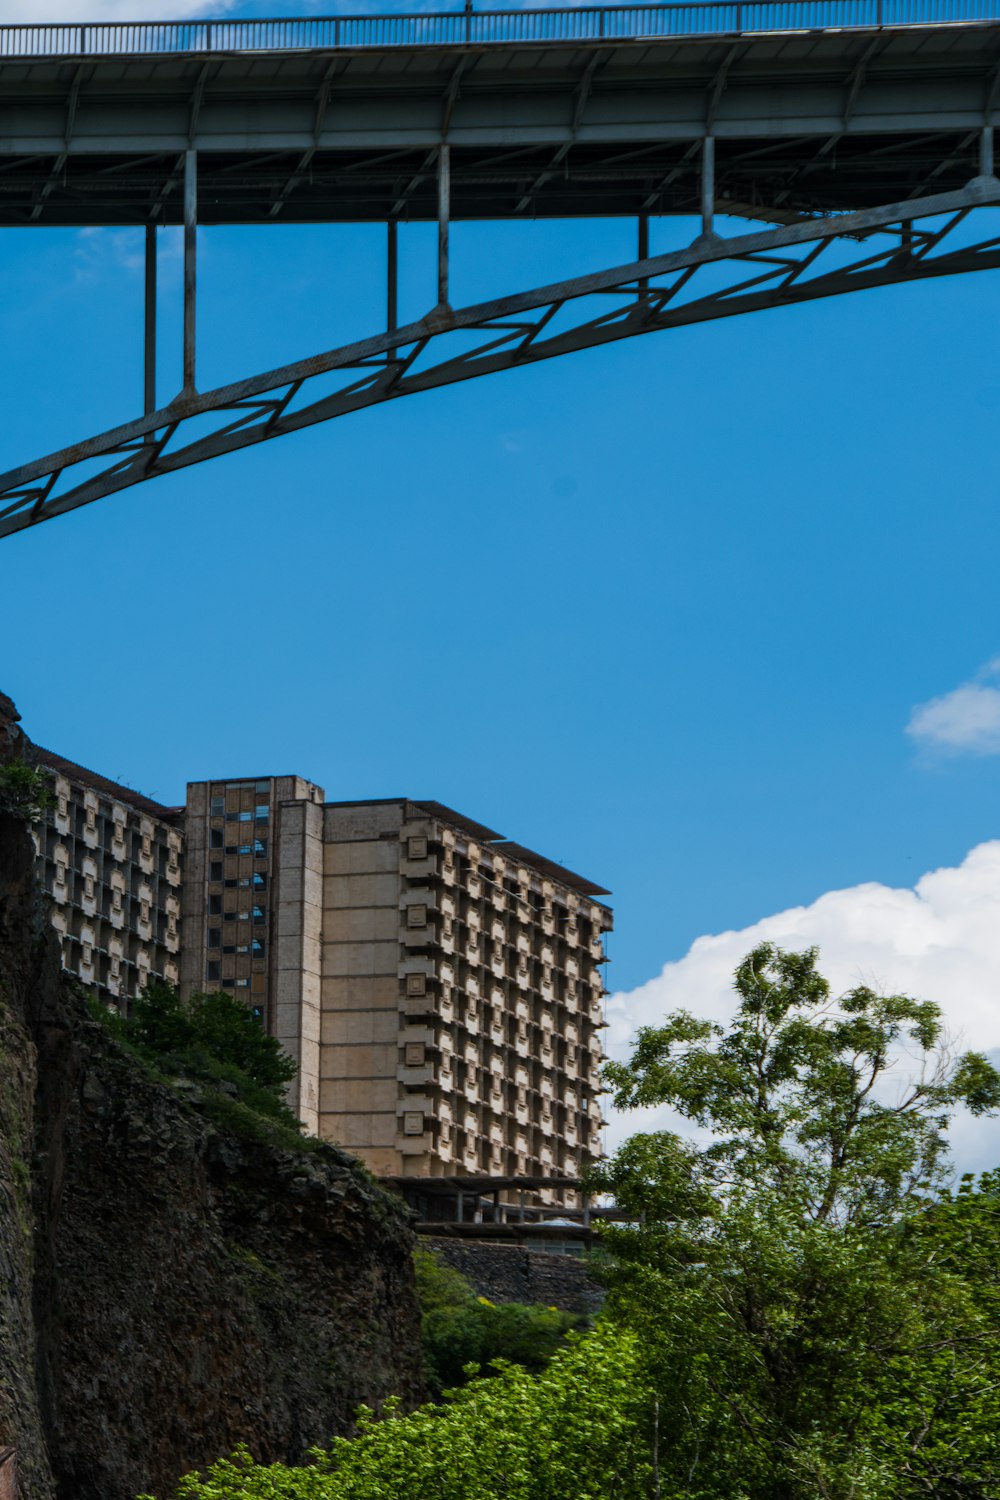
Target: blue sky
662, 611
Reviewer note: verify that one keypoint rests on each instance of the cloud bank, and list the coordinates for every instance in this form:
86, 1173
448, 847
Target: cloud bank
939, 941
965, 721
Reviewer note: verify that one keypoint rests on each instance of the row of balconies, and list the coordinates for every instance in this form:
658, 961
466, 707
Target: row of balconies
504, 1029
426, 857
497, 1047
479, 1085
73, 872
421, 905
504, 1091
507, 963
107, 837
149, 924
521, 1157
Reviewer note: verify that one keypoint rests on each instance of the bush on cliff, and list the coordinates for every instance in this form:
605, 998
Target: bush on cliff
460, 1329
24, 791
579, 1430
214, 1039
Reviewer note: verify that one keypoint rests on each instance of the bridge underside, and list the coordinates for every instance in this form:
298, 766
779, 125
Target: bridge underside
868, 155
819, 122
755, 178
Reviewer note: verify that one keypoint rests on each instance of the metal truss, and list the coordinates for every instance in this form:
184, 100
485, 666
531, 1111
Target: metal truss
712, 278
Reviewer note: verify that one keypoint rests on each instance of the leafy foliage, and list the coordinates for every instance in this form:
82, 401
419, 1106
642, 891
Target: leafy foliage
24, 791
215, 1039
460, 1329
578, 1429
805, 1331
800, 1308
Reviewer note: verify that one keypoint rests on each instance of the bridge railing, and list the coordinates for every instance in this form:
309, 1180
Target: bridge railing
703, 18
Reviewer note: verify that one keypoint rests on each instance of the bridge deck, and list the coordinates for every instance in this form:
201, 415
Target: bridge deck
561, 121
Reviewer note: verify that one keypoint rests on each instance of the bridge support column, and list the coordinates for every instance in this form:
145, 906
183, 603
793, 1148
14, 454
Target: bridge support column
643, 250
444, 221
149, 329
708, 188
391, 276
190, 267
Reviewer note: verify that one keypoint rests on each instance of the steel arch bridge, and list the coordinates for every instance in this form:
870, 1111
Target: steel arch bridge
859, 133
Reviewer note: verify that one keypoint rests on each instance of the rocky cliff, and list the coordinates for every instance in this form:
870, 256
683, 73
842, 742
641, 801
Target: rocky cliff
170, 1288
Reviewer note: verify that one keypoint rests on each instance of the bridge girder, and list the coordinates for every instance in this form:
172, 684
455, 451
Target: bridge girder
842, 134
908, 241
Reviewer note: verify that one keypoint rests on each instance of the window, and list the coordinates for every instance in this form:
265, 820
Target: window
260, 848
229, 948
260, 882
215, 841
215, 870
242, 984
245, 817
259, 914
258, 947
217, 806
214, 937
213, 969
261, 812
263, 786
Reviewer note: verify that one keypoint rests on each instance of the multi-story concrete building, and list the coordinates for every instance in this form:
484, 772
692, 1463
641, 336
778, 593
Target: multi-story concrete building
252, 896
461, 997
110, 860
438, 986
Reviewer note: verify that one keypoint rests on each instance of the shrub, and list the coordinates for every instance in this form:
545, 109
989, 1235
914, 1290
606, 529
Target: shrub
460, 1329
214, 1039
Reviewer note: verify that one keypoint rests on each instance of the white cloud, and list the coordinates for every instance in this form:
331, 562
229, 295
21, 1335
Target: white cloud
100, 253
110, 10
965, 721
939, 941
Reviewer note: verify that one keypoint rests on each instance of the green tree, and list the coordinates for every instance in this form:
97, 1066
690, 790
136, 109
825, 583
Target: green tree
214, 1038
460, 1329
802, 1325
24, 791
576, 1431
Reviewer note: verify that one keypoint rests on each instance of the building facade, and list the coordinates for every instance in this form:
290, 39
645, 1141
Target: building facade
462, 997
110, 862
438, 986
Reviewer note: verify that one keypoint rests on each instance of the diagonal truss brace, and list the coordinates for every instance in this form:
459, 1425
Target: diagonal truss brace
900, 242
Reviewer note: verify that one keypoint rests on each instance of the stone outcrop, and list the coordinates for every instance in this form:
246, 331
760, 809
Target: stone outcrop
170, 1287
512, 1273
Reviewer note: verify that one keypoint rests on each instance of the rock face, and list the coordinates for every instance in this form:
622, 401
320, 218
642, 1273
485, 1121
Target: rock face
510, 1273
170, 1289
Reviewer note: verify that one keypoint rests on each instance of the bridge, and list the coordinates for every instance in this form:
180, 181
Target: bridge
849, 144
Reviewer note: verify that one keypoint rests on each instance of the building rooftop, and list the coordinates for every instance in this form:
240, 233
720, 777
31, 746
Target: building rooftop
99, 783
